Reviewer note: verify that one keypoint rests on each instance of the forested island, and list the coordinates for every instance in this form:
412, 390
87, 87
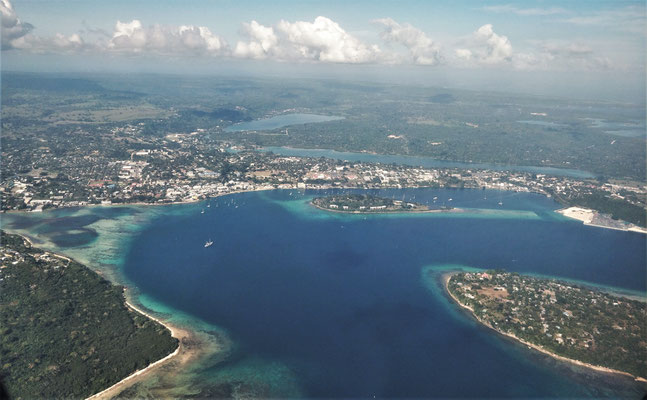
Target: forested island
66, 332
565, 320
365, 203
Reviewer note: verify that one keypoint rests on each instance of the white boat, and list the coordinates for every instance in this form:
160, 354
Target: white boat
208, 243
202, 212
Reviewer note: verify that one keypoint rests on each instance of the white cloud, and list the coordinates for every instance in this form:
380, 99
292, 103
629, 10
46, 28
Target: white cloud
421, 47
507, 8
497, 47
465, 54
486, 47
321, 40
324, 40
12, 27
58, 43
133, 37
17, 34
262, 44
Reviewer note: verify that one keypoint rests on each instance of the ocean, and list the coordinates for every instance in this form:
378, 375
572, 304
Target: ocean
317, 304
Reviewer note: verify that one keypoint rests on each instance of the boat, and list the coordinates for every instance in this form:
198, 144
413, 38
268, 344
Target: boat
208, 243
500, 203
202, 212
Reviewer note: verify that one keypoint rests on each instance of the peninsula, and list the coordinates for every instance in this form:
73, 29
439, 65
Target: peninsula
574, 323
365, 203
64, 330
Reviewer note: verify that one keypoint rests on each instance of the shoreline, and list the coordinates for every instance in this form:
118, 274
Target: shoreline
586, 215
567, 212
144, 204
435, 211
447, 277
183, 336
183, 353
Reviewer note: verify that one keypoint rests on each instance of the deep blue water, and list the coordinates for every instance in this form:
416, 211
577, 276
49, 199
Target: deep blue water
341, 300
279, 121
422, 161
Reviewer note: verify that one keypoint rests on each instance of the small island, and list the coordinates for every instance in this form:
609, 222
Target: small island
365, 203
569, 322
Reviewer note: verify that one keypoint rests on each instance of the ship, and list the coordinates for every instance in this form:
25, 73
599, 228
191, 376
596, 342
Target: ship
208, 243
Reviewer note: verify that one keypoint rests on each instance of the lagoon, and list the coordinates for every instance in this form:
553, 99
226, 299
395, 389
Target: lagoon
549, 124
426, 162
280, 121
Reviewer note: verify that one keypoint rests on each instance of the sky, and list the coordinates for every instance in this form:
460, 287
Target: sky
584, 49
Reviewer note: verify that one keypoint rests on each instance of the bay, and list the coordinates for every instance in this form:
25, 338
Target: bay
320, 304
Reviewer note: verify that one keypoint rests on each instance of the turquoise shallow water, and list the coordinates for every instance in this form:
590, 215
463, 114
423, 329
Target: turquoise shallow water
333, 305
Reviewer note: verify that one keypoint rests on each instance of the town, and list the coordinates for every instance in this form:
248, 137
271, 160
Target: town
120, 167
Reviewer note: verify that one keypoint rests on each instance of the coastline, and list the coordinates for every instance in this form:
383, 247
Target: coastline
447, 277
572, 212
182, 353
186, 350
452, 210
144, 204
586, 216
185, 354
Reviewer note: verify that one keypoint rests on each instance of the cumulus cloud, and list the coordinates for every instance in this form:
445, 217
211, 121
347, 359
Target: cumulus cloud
422, 48
262, 42
497, 48
486, 47
321, 40
12, 27
17, 34
324, 40
133, 37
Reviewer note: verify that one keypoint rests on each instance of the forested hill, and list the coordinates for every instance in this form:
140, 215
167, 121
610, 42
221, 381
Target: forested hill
65, 332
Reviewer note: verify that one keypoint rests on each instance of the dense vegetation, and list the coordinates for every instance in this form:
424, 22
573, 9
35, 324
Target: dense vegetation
618, 209
572, 321
65, 332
